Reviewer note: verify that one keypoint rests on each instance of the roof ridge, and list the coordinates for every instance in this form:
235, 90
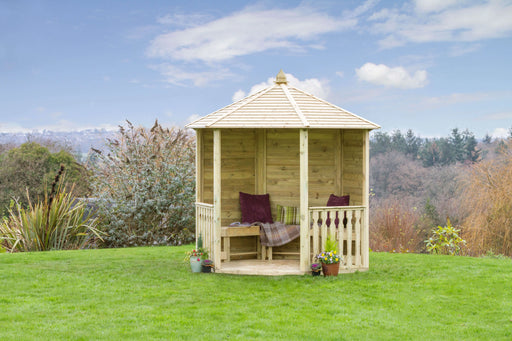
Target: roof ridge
335, 106
245, 101
294, 104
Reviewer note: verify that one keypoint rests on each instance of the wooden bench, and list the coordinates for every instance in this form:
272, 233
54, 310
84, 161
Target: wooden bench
228, 232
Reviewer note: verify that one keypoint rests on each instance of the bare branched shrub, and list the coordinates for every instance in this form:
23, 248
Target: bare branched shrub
393, 173
145, 184
488, 199
393, 226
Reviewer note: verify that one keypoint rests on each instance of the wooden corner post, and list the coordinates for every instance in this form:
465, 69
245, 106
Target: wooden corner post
217, 209
304, 201
365, 242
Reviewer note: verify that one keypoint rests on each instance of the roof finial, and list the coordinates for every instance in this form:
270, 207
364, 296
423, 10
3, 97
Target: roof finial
281, 78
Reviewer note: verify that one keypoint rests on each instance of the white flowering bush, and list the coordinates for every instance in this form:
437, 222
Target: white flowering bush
145, 186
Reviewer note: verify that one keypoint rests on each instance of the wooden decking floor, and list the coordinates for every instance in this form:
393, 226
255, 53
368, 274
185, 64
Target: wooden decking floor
278, 267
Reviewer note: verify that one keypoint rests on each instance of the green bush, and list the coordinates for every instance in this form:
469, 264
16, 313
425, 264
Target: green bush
31, 168
445, 240
58, 222
145, 186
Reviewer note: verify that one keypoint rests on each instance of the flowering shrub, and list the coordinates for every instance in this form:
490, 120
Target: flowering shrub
145, 186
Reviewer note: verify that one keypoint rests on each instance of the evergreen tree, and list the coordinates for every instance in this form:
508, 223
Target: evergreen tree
458, 147
413, 144
430, 154
398, 142
470, 145
380, 143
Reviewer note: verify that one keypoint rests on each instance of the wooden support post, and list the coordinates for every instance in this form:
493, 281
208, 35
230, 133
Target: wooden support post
199, 165
338, 157
260, 162
365, 236
199, 177
304, 201
217, 209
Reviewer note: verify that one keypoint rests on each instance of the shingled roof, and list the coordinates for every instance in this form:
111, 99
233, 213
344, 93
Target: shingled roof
282, 106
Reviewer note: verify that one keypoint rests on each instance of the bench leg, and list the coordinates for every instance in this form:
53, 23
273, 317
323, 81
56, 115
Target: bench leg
227, 247
258, 248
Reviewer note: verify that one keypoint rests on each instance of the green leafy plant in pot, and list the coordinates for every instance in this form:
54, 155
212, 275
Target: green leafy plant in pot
330, 258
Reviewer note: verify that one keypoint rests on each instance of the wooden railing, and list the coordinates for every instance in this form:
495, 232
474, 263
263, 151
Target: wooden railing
345, 224
204, 226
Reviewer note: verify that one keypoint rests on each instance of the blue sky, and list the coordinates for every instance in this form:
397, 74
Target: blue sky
428, 65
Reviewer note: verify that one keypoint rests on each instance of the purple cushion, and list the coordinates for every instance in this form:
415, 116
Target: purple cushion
338, 201
335, 200
255, 208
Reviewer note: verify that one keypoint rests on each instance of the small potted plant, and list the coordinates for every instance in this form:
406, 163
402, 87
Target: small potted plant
315, 269
207, 265
330, 258
197, 255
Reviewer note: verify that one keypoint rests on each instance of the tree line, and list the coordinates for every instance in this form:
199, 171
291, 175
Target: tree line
143, 186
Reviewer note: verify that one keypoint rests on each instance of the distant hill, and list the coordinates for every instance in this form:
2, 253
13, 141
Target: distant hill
79, 141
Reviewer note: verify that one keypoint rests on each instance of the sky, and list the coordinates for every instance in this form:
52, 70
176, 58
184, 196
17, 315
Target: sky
425, 65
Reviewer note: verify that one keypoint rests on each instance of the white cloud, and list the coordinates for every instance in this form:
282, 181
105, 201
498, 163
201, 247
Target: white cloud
457, 98
499, 116
238, 95
183, 20
193, 118
249, 31
459, 50
176, 75
443, 21
340, 74
427, 6
396, 77
500, 133
314, 86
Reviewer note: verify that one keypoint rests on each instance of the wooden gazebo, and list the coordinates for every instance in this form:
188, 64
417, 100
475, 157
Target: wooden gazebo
297, 148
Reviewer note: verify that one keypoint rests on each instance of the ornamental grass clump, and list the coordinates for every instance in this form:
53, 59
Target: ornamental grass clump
59, 222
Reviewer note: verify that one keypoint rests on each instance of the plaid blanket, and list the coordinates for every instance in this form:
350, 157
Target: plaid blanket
277, 234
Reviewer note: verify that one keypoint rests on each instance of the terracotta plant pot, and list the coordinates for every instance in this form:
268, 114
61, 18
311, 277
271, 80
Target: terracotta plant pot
331, 269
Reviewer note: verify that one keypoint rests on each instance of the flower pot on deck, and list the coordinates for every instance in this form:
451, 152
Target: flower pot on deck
331, 269
315, 273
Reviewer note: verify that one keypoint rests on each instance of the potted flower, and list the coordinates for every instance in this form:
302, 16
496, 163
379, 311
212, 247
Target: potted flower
315, 269
207, 265
330, 258
197, 255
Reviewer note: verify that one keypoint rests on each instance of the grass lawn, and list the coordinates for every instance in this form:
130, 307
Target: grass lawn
149, 293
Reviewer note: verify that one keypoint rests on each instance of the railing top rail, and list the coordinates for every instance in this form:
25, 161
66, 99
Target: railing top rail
336, 207
204, 204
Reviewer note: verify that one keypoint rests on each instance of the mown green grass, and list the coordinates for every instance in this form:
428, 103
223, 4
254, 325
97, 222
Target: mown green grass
150, 293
